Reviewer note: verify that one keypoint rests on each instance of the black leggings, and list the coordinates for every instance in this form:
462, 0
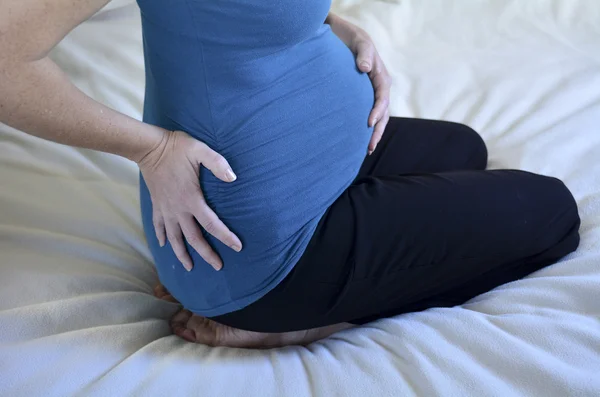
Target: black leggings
422, 226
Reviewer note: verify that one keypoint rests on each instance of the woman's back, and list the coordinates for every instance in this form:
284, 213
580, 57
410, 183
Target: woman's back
272, 89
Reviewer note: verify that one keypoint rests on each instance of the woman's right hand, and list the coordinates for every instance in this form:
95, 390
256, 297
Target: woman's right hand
171, 171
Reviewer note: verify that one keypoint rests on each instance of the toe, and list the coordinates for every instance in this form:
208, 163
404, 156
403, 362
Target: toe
179, 325
185, 333
204, 330
181, 318
169, 298
160, 291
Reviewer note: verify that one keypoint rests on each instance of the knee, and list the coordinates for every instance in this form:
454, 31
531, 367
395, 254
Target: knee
563, 216
563, 201
474, 144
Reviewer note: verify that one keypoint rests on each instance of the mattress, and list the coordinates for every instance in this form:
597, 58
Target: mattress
77, 314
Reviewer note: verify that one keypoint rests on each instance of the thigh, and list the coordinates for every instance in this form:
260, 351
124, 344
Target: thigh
391, 242
412, 146
419, 237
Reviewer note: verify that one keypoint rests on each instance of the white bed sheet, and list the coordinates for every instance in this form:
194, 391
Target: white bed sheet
77, 315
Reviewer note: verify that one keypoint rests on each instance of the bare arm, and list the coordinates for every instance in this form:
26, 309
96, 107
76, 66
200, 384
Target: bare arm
36, 97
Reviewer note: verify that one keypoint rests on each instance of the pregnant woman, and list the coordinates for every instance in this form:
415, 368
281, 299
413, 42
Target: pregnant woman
276, 208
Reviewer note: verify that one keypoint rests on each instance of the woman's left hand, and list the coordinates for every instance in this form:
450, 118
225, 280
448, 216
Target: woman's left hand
368, 61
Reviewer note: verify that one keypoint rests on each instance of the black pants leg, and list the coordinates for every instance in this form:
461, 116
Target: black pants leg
422, 226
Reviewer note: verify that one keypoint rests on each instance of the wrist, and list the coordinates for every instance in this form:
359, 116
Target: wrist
150, 140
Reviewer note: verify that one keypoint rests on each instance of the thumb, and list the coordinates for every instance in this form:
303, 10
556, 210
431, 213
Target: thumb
216, 164
365, 52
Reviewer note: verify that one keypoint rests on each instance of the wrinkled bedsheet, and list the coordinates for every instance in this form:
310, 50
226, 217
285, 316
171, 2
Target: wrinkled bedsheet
77, 315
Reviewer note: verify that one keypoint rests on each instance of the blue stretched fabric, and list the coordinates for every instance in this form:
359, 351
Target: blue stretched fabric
270, 87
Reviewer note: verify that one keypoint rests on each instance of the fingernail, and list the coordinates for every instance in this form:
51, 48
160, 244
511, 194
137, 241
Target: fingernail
231, 176
217, 267
374, 122
365, 64
161, 243
370, 152
236, 248
188, 267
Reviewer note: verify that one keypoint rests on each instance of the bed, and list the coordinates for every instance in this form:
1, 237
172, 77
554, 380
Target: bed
77, 314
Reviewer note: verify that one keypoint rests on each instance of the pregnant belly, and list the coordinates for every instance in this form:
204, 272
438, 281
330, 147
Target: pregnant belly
293, 126
295, 146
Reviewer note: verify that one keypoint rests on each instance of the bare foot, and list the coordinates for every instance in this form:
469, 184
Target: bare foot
198, 329
161, 293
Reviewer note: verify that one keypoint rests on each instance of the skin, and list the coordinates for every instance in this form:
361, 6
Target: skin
368, 61
38, 98
198, 329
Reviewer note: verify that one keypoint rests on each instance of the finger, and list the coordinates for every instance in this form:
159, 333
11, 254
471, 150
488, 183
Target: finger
159, 227
194, 237
382, 99
215, 227
378, 67
216, 164
176, 239
378, 133
365, 56
381, 106
386, 119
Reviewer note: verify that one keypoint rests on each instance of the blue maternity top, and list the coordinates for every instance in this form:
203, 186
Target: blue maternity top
269, 86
